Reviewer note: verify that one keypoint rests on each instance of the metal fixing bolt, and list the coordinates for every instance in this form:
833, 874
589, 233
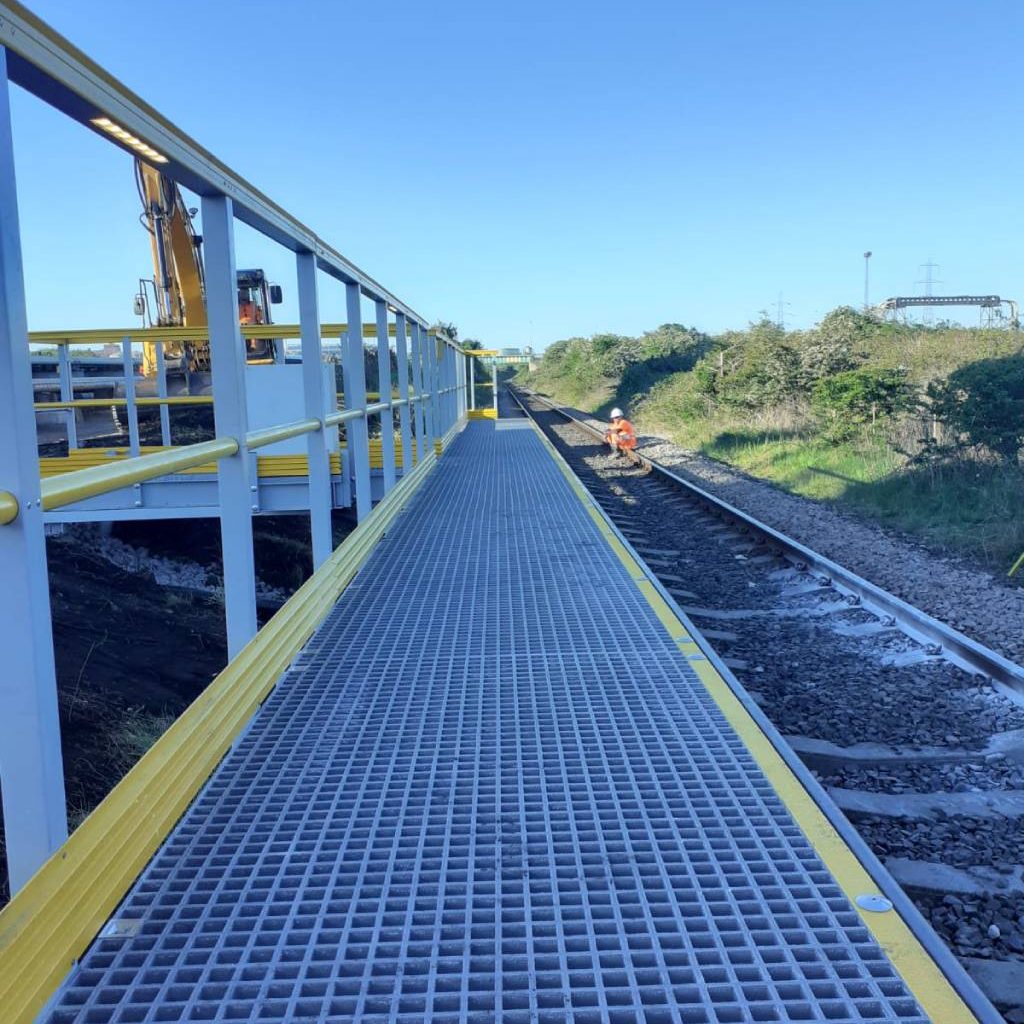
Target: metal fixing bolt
874, 902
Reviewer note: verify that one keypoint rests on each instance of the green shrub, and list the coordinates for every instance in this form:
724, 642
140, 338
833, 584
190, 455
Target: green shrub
984, 402
846, 402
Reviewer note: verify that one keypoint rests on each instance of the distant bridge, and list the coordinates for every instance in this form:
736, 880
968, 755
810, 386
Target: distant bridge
990, 302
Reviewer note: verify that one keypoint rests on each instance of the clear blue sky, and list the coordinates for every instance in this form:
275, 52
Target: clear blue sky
545, 169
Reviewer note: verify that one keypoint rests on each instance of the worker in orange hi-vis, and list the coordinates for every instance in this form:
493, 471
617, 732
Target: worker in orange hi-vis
620, 435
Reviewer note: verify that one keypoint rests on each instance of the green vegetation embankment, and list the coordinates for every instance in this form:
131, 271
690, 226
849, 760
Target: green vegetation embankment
918, 427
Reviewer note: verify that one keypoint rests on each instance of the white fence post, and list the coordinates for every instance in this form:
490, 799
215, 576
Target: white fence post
405, 412
317, 456
387, 417
35, 820
353, 369
227, 361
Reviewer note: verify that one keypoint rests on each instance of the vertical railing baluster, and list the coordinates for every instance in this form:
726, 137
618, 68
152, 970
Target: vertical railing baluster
429, 348
67, 392
227, 361
161, 391
387, 417
405, 412
419, 387
353, 368
35, 820
317, 454
131, 410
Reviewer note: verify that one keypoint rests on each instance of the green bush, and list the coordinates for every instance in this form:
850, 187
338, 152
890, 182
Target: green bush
984, 402
846, 402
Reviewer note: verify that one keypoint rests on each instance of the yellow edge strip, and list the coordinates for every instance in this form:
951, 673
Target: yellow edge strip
923, 977
483, 414
55, 916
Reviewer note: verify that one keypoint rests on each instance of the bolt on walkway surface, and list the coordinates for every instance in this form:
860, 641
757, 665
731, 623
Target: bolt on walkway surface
489, 790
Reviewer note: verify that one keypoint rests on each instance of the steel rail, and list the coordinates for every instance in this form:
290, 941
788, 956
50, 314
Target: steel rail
941, 954
80, 484
938, 637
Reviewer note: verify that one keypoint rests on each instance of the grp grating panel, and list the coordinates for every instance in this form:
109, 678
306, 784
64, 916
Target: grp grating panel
489, 789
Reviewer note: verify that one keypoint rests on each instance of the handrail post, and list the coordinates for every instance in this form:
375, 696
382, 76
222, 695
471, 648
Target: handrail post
387, 417
417, 386
227, 361
405, 412
494, 384
433, 386
353, 370
131, 410
472, 381
318, 458
67, 393
463, 367
161, 390
35, 820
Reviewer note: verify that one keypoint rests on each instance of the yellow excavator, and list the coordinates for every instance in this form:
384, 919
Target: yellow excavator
176, 295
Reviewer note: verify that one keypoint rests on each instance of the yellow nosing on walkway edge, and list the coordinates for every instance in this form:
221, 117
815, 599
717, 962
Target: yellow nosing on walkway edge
55, 916
929, 986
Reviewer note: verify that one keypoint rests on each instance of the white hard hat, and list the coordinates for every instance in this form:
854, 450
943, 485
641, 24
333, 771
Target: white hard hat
616, 414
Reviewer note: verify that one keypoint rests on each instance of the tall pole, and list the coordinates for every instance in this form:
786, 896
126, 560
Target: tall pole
867, 261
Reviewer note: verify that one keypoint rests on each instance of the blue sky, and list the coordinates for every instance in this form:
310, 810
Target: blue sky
540, 170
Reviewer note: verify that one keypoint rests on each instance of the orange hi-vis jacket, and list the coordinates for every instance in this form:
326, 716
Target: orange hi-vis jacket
622, 433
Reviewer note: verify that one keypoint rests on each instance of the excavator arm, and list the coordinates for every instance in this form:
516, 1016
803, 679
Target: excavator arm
178, 268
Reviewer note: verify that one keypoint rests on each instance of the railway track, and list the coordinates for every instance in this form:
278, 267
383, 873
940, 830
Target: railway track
915, 730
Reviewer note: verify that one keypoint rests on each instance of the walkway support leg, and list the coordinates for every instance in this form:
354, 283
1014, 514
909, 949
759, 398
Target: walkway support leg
387, 417
404, 412
317, 456
227, 361
353, 368
30, 757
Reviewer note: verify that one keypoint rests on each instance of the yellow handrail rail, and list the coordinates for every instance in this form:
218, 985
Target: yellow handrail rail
8, 508
334, 418
165, 335
103, 403
271, 435
88, 483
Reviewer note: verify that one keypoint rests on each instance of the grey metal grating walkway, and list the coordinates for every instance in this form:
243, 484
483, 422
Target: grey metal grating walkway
490, 789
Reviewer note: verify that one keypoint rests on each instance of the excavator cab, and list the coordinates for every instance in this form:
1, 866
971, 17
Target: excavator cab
255, 297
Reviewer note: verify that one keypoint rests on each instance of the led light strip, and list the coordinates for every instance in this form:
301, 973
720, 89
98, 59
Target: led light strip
119, 133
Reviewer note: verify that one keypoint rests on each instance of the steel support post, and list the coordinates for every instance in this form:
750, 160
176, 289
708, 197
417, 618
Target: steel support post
419, 387
161, 390
67, 393
405, 411
317, 455
387, 417
31, 767
494, 385
131, 410
353, 369
433, 386
472, 381
463, 394
227, 361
